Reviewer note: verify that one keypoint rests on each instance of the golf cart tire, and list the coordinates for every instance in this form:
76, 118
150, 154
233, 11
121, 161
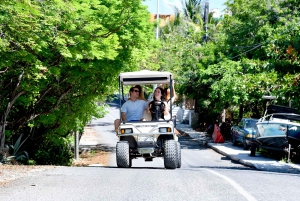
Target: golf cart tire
170, 155
178, 155
122, 154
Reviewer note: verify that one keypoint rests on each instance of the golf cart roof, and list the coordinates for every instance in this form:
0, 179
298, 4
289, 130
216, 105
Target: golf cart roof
145, 77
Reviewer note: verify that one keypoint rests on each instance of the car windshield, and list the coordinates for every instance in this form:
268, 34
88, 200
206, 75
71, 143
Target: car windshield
250, 123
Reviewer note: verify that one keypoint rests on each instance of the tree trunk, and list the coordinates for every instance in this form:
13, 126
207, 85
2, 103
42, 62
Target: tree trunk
241, 112
2, 131
223, 115
13, 97
3, 118
255, 111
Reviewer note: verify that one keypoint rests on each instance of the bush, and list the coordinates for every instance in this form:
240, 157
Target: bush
13, 155
54, 150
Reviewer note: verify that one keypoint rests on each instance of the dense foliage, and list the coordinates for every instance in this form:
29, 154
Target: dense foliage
57, 59
251, 51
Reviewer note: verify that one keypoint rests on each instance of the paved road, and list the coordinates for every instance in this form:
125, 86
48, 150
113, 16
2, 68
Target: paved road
205, 175
191, 149
238, 154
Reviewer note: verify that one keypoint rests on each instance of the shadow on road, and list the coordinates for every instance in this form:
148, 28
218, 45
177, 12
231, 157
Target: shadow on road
100, 124
190, 168
101, 147
187, 142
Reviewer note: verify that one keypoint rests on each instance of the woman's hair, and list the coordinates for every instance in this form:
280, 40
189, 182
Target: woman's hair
141, 94
162, 98
167, 94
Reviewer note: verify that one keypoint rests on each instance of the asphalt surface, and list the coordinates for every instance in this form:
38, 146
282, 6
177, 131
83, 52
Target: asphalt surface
234, 153
237, 154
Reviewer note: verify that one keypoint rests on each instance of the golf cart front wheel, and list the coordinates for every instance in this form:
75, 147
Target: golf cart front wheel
122, 155
170, 154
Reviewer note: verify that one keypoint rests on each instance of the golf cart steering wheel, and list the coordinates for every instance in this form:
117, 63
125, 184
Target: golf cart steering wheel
156, 109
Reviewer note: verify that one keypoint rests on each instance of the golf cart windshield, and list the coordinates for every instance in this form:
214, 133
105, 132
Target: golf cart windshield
145, 77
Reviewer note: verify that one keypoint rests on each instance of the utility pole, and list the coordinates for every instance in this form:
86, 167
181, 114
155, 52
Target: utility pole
157, 20
76, 146
206, 12
157, 30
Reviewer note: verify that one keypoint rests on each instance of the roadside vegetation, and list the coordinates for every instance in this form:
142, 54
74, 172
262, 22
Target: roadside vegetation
250, 52
60, 57
57, 59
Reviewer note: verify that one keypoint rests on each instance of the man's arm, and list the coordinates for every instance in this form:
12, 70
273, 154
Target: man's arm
123, 116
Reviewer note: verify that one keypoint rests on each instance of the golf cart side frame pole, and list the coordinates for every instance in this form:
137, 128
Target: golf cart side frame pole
288, 144
120, 97
171, 95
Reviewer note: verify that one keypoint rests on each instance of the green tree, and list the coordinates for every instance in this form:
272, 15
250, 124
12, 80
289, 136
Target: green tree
59, 57
267, 31
251, 53
192, 10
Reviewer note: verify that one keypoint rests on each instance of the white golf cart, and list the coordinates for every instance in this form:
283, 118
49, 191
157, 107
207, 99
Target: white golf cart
147, 139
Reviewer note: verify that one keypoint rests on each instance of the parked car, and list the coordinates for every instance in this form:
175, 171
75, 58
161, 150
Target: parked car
278, 130
244, 132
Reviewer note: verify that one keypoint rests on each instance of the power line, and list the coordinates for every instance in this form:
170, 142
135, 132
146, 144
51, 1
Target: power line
261, 44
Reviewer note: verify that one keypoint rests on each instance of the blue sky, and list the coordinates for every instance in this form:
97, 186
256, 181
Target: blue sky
165, 6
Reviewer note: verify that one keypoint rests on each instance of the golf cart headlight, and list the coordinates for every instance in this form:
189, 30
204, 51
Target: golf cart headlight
126, 130
248, 136
165, 130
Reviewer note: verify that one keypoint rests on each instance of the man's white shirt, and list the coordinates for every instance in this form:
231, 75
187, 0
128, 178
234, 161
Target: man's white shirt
134, 109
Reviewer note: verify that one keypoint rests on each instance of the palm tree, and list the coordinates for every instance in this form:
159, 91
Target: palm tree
192, 9
190, 17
